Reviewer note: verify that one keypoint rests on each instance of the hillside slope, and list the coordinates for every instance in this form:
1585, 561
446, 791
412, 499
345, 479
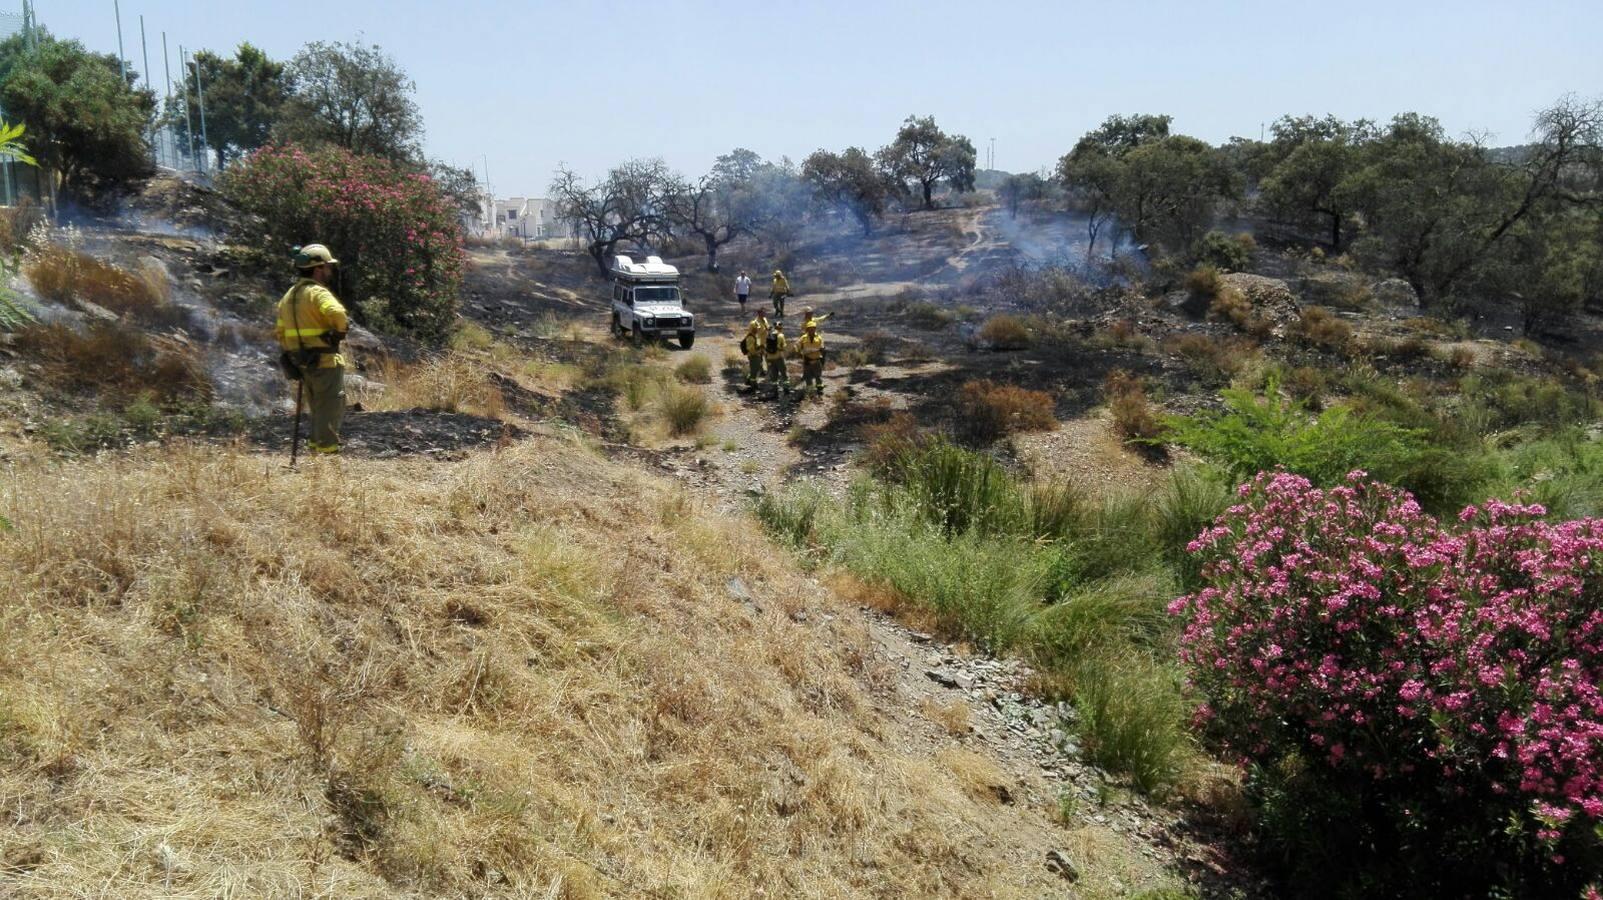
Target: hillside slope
523, 673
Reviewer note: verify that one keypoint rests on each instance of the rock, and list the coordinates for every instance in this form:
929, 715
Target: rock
1057, 862
918, 637
1394, 292
737, 589
941, 677
1270, 297
964, 681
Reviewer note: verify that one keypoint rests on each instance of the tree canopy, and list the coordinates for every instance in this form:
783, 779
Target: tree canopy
85, 122
924, 155
352, 96
244, 97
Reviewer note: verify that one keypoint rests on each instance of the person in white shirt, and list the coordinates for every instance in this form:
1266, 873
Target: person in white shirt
742, 288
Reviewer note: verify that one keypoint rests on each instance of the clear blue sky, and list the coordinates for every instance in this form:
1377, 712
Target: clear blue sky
528, 85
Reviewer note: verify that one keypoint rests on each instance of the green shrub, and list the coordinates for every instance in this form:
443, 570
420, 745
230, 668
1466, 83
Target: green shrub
1227, 252
1257, 434
695, 370
949, 529
791, 515
1181, 508
12, 313
928, 316
395, 232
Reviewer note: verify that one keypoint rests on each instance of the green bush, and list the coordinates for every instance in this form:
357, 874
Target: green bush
395, 232
1223, 251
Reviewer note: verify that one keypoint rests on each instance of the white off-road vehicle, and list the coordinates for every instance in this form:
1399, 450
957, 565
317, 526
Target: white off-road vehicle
647, 302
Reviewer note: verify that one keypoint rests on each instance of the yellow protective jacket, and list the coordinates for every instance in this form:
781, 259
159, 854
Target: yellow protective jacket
779, 349
756, 333
781, 286
810, 346
306, 314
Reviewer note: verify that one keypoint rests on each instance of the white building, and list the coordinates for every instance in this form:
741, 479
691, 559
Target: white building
529, 218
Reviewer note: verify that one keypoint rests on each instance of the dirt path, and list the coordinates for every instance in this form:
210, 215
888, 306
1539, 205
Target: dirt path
1107, 842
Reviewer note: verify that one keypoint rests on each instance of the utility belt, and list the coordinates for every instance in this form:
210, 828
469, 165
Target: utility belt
294, 363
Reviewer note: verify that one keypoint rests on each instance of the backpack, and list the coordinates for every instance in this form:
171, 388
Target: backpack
773, 342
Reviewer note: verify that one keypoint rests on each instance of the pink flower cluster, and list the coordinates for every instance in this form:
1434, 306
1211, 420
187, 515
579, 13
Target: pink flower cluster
1461, 659
397, 232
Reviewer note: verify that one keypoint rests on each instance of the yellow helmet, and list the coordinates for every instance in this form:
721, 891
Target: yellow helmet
313, 255
778, 273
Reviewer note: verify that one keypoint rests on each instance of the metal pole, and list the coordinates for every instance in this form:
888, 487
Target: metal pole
200, 92
189, 123
122, 66
144, 49
167, 127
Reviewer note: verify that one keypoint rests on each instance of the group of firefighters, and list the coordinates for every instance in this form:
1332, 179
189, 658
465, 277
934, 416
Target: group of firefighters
766, 347
312, 323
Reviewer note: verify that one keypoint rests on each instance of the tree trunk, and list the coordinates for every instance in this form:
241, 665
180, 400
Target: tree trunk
929, 199
712, 253
1335, 233
599, 251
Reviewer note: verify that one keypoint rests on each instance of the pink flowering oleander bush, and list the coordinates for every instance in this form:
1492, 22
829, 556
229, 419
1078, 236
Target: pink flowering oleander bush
393, 229
1416, 689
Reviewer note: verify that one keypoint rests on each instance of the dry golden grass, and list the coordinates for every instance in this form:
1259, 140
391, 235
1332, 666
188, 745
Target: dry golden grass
73, 278
114, 356
517, 675
451, 382
988, 410
1005, 332
1134, 417
953, 715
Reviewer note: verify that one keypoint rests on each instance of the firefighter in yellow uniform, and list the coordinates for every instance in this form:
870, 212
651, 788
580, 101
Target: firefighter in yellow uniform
810, 346
808, 316
779, 292
311, 324
752, 346
774, 352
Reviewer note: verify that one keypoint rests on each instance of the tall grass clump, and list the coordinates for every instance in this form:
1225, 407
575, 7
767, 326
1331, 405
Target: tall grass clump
73, 278
695, 370
683, 409
959, 491
444, 383
1047, 571
1134, 718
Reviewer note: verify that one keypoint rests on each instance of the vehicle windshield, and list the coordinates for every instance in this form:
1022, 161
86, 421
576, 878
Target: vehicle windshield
668, 294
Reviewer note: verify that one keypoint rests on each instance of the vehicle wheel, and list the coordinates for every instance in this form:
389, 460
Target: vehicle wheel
686, 339
638, 337
617, 327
